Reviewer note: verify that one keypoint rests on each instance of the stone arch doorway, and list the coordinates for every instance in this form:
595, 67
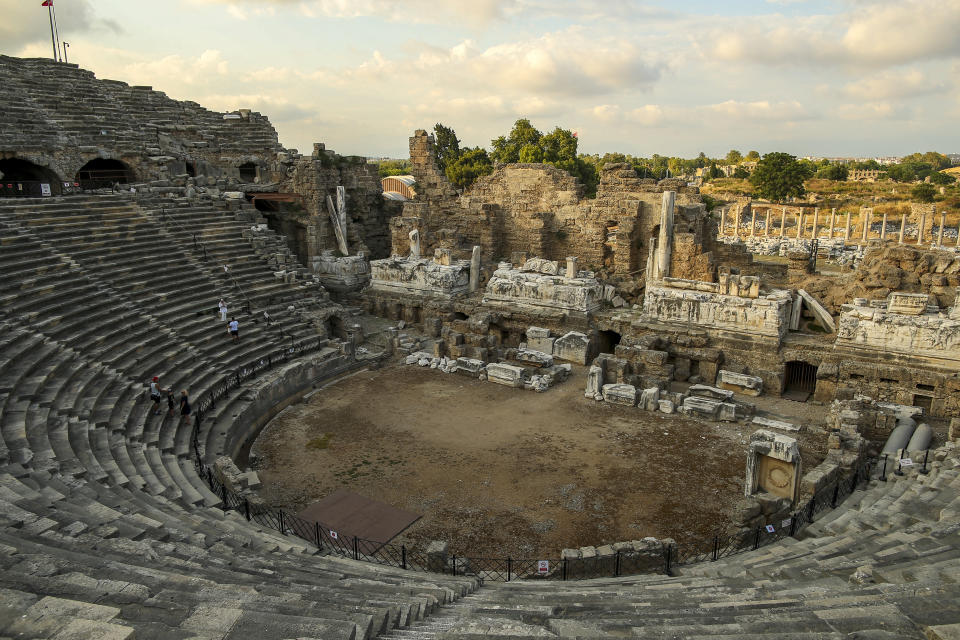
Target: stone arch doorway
607, 341
25, 179
102, 173
799, 380
248, 172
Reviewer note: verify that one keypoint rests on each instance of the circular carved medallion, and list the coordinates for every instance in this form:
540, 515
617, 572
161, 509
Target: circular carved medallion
779, 478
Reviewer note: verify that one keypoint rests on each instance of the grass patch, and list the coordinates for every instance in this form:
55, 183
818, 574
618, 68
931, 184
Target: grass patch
321, 442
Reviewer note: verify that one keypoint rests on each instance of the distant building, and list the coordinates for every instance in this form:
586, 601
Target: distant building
954, 159
865, 175
399, 187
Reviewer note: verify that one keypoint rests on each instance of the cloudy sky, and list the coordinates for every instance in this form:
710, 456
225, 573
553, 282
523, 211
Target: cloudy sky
847, 77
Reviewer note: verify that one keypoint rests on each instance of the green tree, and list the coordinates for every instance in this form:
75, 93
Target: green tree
941, 178
923, 192
778, 176
714, 172
469, 165
447, 145
741, 174
833, 172
937, 161
753, 156
394, 168
734, 157
507, 149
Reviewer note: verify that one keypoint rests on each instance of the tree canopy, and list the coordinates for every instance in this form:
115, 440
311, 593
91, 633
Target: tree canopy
924, 192
447, 145
469, 165
734, 157
779, 176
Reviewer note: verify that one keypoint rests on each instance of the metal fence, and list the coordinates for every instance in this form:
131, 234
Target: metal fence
658, 559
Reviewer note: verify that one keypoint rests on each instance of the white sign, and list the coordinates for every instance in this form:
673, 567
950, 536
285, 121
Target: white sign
906, 462
786, 523
770, 528
333, 534
543, 566
45, 189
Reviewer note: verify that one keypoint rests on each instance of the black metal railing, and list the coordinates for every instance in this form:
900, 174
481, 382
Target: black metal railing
658, 558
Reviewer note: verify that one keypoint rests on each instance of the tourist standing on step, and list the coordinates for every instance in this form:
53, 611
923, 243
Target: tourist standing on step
170, 402
234, 330
155, 394
185, 407
223, 310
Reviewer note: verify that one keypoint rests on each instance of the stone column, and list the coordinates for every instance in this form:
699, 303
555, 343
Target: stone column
766, 225
958, 235
475, 269
865, 220
923, 222
846, 230
800, 225
943, 221
753, 221
666, 232
816, 220
783, 222
903, 227
883, 227
571, 267
415, 244
723, 219
833, 221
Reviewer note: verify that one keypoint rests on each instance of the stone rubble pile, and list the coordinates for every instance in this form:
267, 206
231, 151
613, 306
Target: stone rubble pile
535, 371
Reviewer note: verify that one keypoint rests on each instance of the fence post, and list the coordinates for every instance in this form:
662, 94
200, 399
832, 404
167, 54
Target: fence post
454, 564
616, 570
223, 497
924, 471
756, 538
403, 556
210, 479
810, 508
883, 472
793, 525
280, 520
316, 534
667, 564
836, 495
716, 548
356, 548
509, 568
563, 569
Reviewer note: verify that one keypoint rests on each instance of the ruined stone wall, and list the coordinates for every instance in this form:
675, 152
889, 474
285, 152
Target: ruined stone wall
539, 210
318, 176
60, 117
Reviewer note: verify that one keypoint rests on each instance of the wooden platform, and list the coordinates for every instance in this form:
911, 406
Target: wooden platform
352, 514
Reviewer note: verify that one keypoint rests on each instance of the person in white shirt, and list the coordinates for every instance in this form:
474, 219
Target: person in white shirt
155, 395
234, 330
223, 310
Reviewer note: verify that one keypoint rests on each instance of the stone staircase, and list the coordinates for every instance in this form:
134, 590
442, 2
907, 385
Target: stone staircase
106, 529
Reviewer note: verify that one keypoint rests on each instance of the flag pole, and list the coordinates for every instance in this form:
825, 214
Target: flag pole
53, 40
56, 28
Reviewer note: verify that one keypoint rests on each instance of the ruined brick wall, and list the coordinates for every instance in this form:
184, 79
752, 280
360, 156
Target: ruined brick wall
537, 209
318, 176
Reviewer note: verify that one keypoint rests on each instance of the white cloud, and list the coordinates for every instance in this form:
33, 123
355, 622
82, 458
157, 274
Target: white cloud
760, 110
24, 23
874, 34
885, 85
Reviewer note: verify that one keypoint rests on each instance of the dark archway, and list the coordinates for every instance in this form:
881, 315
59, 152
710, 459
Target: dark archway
248, 172
800, 380
191, 169
102, 173
607, 341
25, 179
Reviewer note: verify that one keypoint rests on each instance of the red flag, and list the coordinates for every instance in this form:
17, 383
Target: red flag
47, 3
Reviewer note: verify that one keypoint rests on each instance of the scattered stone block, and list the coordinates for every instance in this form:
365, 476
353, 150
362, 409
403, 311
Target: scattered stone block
702, 407
739, 382
706, 391
770, 423
533, 358
572, 347
469, 367
538, 339
666, 406
650, 399
505, 374
625, 394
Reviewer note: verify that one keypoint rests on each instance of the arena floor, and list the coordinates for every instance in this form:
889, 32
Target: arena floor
498, 471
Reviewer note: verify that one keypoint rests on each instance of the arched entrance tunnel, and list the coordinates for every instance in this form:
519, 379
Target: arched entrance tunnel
102, 173
607, 341
799, 380
24, 178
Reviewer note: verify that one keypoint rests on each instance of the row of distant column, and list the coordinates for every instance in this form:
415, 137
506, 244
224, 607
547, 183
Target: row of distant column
866, 219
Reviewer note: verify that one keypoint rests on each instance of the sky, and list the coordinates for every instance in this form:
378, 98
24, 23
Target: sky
809, 77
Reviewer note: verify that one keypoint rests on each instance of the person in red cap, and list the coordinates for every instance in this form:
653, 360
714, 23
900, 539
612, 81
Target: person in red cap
155, 394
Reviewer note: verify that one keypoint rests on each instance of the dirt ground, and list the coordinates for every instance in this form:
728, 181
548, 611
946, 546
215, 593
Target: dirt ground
498, 471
